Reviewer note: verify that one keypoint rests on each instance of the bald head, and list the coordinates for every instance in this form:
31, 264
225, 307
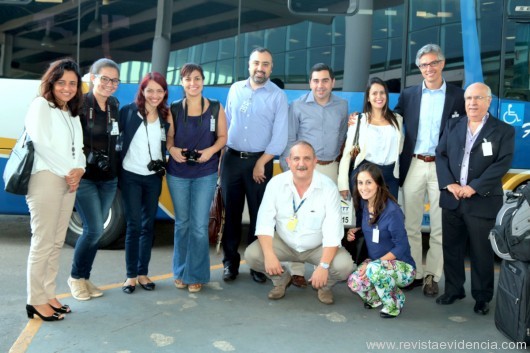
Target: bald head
478, 100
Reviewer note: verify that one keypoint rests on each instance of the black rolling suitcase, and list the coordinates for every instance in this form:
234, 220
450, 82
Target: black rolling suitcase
512, 310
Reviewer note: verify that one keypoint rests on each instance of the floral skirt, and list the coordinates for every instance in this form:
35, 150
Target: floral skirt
381, 284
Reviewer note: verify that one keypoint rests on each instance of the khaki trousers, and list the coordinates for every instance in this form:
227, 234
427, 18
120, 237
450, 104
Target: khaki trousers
339, 269
421, 179
50, 206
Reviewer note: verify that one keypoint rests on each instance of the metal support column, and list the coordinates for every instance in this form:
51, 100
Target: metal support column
162, 39
358, 48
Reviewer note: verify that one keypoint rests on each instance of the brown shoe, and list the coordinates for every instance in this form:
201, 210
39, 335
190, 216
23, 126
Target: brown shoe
430, 287
299, 281
278, 292
325, 295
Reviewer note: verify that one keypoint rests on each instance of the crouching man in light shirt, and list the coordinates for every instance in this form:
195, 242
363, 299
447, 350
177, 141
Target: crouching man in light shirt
299, 220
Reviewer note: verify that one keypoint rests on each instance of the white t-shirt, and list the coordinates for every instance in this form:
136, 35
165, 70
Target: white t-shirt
137, 157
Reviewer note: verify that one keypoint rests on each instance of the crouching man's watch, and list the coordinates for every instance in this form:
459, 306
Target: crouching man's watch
324, 265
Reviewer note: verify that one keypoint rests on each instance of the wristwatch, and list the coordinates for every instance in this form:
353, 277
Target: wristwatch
324, 265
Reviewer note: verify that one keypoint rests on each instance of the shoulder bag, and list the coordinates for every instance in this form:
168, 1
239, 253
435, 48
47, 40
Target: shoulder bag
217, 219
356, 149
19, 165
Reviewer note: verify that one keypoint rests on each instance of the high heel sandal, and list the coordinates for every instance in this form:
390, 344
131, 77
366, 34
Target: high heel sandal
31, 311
65, 309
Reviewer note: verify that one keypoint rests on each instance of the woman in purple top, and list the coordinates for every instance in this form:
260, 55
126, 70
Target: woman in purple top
389, 266
195, 138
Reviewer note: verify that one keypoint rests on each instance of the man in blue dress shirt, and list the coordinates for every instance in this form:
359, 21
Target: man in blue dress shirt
425, 108
320, 118
256, 115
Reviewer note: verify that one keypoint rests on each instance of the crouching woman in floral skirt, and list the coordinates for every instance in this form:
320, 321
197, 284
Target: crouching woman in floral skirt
389, 267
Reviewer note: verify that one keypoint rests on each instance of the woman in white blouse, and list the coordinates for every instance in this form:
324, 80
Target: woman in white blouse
53, 124
380, 140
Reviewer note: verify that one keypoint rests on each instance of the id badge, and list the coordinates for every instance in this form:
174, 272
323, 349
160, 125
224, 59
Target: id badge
291, 224
162, 134
375, 236
486, 148
212, 124
115, 131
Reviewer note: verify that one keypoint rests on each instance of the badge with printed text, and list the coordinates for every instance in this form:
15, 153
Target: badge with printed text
115, 131
375, 236
487, 150
291, 224
212, 124
162, 134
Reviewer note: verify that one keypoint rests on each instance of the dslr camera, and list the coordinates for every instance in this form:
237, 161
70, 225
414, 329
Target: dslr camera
157, 167
192, 156
99, 159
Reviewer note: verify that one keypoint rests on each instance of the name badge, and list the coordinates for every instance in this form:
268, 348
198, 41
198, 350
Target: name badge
212, 124
115, 131
162, 134
375, 235
486, 148
291, 224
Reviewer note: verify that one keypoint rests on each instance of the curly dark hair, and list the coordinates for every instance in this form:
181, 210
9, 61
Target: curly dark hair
54, 73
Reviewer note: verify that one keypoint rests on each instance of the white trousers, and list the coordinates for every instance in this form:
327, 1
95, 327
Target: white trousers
420, 180
50, 206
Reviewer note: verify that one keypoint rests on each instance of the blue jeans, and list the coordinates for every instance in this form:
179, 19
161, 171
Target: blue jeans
192, 198
93, 202
140, 195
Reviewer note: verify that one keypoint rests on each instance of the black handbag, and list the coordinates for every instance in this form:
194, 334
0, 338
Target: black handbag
19, 165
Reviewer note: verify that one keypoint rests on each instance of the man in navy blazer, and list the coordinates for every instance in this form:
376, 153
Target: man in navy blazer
425, 108
474, 153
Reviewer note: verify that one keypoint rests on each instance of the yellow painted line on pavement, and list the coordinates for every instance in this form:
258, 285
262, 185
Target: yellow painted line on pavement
24, 340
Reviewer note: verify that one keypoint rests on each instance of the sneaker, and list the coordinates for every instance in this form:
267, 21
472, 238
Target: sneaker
93, 291
325, 295
78, 288
278, 292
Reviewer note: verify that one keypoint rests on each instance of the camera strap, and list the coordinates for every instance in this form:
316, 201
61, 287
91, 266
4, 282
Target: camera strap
178, 106
91, 122
148, 144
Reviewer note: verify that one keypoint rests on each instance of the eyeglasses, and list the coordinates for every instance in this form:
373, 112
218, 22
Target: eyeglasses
477, 98
431, 64
105, 80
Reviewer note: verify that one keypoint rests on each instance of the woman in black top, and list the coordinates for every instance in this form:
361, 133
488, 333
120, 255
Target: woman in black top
99, 119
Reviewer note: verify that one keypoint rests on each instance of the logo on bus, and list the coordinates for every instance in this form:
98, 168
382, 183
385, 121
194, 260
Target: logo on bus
512, 113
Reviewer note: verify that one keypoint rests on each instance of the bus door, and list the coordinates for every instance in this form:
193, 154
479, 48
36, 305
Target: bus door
514, 105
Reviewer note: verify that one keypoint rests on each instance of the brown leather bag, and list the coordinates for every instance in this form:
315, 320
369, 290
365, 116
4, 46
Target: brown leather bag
217, 219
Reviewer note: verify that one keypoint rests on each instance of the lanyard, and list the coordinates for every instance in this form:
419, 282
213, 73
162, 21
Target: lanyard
295, 209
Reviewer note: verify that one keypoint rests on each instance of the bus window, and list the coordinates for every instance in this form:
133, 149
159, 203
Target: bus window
516, 62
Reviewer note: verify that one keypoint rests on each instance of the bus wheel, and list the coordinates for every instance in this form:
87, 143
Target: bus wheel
113, 228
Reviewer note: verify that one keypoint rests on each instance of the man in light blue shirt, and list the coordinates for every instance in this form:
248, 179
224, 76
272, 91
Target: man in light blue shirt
256, 116
425, 108
320, 118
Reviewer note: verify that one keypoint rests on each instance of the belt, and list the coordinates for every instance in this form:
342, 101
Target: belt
244, 155
424, 158
324, 162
